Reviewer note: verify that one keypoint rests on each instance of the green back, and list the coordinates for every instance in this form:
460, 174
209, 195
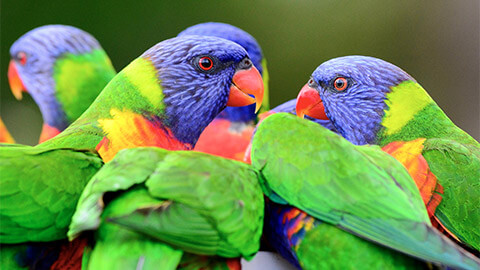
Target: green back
360, 189
79, 79
452, 154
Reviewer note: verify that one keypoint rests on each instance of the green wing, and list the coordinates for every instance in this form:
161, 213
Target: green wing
358, 188
206, 204
119, 248
39, 189
457, 168
326, 246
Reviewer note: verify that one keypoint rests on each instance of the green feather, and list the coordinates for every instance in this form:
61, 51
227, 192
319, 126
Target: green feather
203, 204
37, 204
79, 79
326, 247
37, 190
120, 248
457, 168
452, 155
357, 188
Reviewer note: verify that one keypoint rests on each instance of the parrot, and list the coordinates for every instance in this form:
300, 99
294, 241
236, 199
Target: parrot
230, 132
353, 189
5, 136
63, 68
149, 205
164, 98
371, 101
286, 227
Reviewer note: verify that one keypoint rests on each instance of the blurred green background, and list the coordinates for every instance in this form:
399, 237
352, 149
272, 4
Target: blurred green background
437, 42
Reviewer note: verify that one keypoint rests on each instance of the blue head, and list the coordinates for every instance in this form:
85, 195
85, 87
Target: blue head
244, 39
32, 66
351, 91
198, 75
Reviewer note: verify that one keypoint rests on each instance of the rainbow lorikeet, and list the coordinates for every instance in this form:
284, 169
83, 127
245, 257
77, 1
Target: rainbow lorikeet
5, 136
358, 189
164, 98
161, 203
370, 101
228, 135
63, 68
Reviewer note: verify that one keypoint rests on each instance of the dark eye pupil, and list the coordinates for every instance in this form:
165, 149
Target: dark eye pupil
206, 63
340, 84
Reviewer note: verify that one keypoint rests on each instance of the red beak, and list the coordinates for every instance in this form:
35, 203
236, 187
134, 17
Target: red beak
16, 83
246, 82
309, 103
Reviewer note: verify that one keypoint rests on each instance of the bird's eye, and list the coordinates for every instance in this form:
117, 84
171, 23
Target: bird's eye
205, 63
311, 83
22, 58
340, 84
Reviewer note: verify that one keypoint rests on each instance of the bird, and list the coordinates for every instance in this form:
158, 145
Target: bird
356, 189
150, 207
229, 133
63, 68
371, 101
164, 98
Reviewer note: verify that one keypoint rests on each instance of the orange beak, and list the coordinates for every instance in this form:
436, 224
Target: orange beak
309, 103
246, 82
16, 83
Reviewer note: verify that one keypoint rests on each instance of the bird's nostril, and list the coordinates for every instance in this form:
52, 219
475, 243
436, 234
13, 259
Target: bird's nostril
246, 63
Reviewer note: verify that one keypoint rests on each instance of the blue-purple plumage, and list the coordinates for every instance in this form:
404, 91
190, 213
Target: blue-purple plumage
357, 119
184, 94
244, 114
43, 46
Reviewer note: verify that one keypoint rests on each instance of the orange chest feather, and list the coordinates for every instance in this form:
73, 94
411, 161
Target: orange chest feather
129, 130
410, 155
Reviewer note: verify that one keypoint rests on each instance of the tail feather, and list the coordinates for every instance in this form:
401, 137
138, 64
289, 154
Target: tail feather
419, 240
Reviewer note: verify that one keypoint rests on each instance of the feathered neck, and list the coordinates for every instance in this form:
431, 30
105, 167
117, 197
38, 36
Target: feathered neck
410, 113
129, 112
79, 78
